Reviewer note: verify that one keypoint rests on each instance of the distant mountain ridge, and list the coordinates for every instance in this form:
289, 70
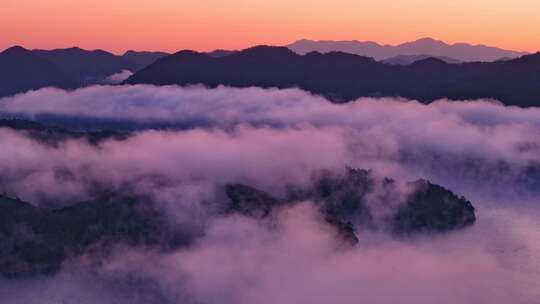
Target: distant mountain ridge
221, 53
22, 69
425, 46
88, 65
410, 59
85, 66
340, 76
139, 60
343, 77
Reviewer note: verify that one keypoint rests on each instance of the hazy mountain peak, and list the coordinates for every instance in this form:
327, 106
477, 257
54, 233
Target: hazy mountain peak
427, 42
425, 46
430, 40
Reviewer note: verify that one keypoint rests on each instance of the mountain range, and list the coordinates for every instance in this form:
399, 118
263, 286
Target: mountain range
425, 46
426, 70
342, 77
22, 69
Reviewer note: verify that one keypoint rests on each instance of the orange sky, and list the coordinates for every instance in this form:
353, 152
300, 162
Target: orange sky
171, 25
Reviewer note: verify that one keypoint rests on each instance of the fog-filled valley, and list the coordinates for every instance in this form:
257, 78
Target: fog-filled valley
252, 195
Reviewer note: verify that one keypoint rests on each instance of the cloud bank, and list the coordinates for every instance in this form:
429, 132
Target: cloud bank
480, 142
188, 142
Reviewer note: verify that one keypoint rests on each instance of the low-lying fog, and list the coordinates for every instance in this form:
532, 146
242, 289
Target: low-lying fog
188, 142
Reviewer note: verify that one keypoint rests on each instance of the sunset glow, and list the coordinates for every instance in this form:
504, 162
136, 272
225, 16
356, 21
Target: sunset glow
171, 25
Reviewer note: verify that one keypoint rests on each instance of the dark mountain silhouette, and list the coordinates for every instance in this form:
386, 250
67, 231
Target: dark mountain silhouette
139, 60
86, 66
221, 53
22, 70
410, 59
38, 240
432, 208
425, 46
344, 77
342, 201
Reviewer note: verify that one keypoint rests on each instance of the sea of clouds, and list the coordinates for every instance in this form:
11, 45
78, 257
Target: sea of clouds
186, 143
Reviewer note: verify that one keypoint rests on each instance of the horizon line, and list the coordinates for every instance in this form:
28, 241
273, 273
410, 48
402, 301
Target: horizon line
120, 53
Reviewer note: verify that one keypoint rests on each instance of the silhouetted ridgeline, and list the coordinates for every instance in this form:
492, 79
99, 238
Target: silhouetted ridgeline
343, 77
22, 70
338, 76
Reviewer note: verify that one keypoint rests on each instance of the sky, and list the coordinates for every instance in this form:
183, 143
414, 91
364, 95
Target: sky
172, 25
